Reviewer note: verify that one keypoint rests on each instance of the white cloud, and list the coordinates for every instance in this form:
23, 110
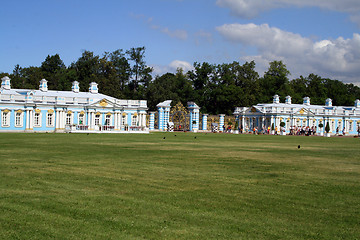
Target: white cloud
252, 8
172, 67
338, 58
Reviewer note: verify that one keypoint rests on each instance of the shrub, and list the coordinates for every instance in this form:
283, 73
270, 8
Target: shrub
327, 128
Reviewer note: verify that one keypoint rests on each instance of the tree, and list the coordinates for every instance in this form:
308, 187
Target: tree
53, 69
275, 81
122, 68
327, 127
139, 71
87, 69
203, 78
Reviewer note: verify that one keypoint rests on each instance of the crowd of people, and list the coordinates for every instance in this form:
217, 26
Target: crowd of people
294, 130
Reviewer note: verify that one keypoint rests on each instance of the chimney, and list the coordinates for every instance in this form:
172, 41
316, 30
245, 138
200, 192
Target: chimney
43, 85
306, 101
357, 103
328, 102
75, 87
276, 99
93, 87
5, 83
288, 100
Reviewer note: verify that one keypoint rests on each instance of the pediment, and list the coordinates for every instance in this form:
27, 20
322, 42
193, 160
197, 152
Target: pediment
253, 110
104, 103
304, 111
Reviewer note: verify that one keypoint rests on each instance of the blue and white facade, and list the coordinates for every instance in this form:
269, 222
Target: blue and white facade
45, 110
261, 116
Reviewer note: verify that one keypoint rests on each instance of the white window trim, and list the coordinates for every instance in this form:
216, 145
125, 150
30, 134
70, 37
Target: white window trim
134, 120
8, 118
81, 116
21, 120
110, 119
97, 117
66, 118
123, 120
52, 120
39, 122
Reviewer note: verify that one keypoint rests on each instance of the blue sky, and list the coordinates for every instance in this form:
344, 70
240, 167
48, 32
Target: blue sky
310, 36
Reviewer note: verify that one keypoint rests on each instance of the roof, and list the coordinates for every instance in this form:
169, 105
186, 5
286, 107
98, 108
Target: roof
52, 93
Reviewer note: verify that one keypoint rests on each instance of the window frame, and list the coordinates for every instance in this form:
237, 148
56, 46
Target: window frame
50, 116
5, 118
37, 119
19, 118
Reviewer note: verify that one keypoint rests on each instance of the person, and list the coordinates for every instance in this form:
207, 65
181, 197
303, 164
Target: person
358, 130
343, 132
337, 131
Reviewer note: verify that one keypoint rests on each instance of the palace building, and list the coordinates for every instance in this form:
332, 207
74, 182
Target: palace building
262, 116
46, 110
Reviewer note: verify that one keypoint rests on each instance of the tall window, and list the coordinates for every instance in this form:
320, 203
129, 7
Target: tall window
107, 120
97, 119
37, 119
18, 119
50, 120
68, 118
81, 119
123, 120
5, 119
134, 120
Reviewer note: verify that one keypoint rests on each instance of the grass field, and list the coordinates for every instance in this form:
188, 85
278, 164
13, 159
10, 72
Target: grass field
214, 186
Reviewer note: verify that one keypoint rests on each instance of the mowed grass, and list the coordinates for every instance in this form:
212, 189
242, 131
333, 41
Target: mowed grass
214, 186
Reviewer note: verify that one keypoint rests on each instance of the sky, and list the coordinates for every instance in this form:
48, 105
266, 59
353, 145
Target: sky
309, 36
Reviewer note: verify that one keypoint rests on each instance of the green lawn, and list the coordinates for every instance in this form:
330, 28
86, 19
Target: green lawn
214, 186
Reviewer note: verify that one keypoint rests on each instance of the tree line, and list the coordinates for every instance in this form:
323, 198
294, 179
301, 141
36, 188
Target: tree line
216, 88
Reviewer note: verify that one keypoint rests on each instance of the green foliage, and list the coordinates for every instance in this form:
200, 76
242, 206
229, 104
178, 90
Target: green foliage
321, 125
327, 127
282, 124
216, 88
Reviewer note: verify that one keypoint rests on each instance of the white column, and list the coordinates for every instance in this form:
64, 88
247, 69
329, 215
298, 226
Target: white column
60, 119
31, 117
63, 119
144, 120
115, 120
93, 119
28, 113
57, 117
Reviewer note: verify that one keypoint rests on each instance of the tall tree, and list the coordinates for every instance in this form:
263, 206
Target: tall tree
87, 68
139, 71
53, 70
122, 68
275, 81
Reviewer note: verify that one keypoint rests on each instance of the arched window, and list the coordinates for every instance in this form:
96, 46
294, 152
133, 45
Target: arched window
19, 118
68, 118
81, 119
5, 118
108, 120
97, 119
